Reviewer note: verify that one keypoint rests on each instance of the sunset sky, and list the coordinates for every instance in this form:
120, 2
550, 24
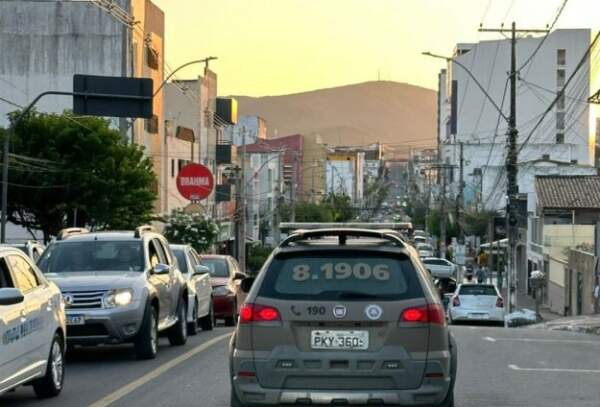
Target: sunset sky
269, 47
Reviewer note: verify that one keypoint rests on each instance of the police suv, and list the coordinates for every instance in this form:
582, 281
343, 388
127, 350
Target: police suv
32, 327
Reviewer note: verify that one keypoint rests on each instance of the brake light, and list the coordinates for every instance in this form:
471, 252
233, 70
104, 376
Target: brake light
456, 301
432, 313
258, 313
500, 302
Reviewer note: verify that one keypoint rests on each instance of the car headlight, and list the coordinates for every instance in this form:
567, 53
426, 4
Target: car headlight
118, 298
221, 291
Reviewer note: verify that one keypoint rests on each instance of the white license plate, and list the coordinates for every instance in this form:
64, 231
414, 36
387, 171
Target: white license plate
75, 320
339, 340
479, 316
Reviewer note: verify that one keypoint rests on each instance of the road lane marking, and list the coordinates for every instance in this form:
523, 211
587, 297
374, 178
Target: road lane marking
541, 340
549, 370
134, 385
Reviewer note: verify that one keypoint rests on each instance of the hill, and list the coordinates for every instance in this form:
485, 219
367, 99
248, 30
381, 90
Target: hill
389, 112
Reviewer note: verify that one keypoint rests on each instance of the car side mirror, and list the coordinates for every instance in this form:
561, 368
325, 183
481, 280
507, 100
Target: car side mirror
246, 284
239, 276
160, 269
200, 270
11, 296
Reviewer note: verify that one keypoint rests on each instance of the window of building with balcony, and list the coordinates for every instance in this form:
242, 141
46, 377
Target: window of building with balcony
152, 58
560, 138
560, 120
151, 124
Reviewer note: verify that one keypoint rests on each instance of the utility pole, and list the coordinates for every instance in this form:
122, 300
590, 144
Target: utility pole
460, 198
443, 216
294, 185
511, 162
241, 207
275, 220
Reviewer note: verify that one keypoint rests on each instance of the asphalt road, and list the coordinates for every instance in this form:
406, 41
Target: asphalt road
498, 367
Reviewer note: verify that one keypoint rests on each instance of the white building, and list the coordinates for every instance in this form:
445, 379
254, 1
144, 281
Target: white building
566, 136
255, 128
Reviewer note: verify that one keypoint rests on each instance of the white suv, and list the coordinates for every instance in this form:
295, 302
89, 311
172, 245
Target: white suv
32, 327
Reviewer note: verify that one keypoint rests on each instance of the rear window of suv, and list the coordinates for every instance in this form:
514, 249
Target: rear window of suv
341, 276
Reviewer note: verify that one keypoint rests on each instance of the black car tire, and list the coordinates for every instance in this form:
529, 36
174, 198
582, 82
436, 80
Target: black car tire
192, 327
235, 401
207, 323
146, 342
177, 334
52, 383
231, 321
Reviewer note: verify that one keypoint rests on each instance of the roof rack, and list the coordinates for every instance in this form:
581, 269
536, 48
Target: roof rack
140, 230
68, 232
342, 234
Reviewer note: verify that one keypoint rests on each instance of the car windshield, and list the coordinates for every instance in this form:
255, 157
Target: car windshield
436, 262
477, 290
218, 267
334, 276
181, 259
91, 256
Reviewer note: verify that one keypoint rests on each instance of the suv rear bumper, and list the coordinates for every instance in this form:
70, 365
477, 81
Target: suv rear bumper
106, 326
430, 393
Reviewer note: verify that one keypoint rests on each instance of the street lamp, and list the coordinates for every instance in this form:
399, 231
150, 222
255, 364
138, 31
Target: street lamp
199, 61
479, 85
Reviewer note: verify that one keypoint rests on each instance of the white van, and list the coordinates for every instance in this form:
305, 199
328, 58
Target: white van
32, 327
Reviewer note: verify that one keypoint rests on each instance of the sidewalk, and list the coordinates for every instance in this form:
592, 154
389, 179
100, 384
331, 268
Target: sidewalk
588, 324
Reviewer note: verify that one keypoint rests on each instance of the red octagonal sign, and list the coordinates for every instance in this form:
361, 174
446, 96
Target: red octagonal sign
195, 182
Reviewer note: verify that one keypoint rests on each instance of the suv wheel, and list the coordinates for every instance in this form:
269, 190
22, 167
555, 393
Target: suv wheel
235, 401
192, 327
207, 322
178, 333
230, 321
52, 383
146, 343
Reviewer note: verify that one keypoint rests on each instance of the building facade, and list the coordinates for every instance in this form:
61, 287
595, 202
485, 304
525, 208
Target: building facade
468, 119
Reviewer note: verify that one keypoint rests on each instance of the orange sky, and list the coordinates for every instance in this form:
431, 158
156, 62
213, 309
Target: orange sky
285, 46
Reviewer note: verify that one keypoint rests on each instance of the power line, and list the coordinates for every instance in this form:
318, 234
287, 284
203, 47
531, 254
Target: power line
561, 92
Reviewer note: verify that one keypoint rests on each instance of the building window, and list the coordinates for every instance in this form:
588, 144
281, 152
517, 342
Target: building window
561, 56
151, 125
560, 120
560, 138
152, 58
560, 78
560, 103
172, 168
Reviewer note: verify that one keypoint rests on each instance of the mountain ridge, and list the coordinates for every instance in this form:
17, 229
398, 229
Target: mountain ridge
355, 114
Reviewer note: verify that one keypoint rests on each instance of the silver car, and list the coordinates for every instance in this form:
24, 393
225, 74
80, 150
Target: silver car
440, 268
342, 316
197, 276
119, 287
476, 303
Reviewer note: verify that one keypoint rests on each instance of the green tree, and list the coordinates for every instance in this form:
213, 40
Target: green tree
257, 255
196, 230
61, 165
341, 207
335, 208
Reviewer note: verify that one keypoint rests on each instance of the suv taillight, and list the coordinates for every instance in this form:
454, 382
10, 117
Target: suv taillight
456, 301
500, 302
258, 313
432, 313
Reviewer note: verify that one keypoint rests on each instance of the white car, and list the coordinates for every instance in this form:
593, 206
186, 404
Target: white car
440, 268
476, 302
32, 327
424, 249
198, 279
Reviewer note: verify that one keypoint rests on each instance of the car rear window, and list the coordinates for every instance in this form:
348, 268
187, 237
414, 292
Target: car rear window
436, 262
477, 290
341, 276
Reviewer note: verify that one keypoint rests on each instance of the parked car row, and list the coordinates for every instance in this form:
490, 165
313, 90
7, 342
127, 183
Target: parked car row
104, 288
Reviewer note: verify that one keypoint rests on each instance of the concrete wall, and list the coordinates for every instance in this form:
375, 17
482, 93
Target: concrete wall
45, 43
582, 267
557, 285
